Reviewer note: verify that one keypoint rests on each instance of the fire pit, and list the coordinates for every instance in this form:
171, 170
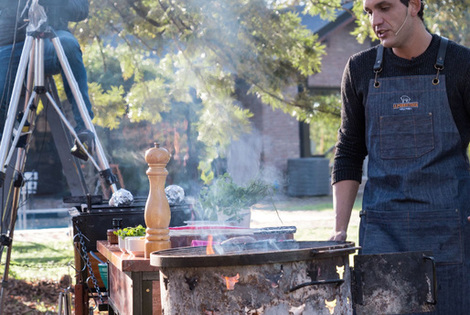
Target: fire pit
263, 277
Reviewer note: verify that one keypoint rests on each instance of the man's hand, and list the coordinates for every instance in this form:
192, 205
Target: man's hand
338, 236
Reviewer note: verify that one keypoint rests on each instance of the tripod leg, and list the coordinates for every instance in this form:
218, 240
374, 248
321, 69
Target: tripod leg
13, 106
16, 196
103, 162
22, 150
8, 203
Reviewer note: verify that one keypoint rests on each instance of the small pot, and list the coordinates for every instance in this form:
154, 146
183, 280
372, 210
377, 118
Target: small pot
135, 245
112, 238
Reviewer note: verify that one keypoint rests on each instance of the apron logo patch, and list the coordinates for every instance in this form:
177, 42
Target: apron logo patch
405, 104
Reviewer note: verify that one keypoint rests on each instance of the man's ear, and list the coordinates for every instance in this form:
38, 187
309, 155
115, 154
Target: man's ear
415, 6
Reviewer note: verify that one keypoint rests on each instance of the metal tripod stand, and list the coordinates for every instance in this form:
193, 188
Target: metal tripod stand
17, 132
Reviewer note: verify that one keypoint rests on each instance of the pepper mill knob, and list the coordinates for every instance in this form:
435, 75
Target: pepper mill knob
157, 210
157, 155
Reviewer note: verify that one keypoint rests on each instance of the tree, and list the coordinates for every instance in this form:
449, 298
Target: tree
449, 18
144, 57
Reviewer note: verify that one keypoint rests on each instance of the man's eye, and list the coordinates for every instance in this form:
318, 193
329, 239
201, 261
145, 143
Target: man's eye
384, 8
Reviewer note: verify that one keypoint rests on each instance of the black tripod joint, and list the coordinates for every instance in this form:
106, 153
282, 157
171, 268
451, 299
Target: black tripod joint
19, 180
2, 178
108, 177
5, 240
40, 89
43, 32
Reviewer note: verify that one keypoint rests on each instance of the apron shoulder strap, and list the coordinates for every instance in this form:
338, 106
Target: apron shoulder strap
439, 65
379, 59
441, 55
378, 65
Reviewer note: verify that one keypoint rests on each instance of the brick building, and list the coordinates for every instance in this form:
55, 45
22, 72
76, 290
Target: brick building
276, 136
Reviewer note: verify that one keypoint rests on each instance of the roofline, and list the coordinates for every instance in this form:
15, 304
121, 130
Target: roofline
343, 19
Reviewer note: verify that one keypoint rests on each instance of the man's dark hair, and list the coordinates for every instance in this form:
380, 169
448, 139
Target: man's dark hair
420, 13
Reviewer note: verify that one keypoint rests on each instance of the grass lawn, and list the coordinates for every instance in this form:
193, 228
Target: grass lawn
42, 259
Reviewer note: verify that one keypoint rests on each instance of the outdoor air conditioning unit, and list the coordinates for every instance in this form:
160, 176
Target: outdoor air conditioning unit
308, 177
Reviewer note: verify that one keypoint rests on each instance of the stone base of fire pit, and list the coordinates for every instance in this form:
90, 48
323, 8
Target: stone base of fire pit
293, 278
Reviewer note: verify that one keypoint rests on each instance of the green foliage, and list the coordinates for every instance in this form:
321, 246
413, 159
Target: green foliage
130, 231
105, 102
208, 44
363, 28
205, 45
148, 59
449, 18
224, 196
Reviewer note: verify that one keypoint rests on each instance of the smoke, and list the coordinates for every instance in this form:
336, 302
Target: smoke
244, 157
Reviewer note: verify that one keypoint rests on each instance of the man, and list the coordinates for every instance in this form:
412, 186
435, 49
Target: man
12, 36
408, 108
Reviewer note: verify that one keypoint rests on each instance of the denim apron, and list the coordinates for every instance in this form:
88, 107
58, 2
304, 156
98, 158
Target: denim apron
417, 196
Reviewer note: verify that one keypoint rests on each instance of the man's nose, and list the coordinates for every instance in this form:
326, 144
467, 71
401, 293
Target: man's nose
375, 20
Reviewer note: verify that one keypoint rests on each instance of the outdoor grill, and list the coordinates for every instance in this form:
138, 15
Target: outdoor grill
94, 219
262, 277
292, 277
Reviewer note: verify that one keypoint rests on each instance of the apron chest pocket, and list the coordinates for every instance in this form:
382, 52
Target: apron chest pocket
406, 136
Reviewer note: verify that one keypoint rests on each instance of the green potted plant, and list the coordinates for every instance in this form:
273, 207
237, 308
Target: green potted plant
224, 200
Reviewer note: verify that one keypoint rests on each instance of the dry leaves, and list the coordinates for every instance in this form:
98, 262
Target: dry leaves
32, 297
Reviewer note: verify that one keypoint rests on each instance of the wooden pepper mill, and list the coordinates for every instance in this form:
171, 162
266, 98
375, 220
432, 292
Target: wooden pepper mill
157, 210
